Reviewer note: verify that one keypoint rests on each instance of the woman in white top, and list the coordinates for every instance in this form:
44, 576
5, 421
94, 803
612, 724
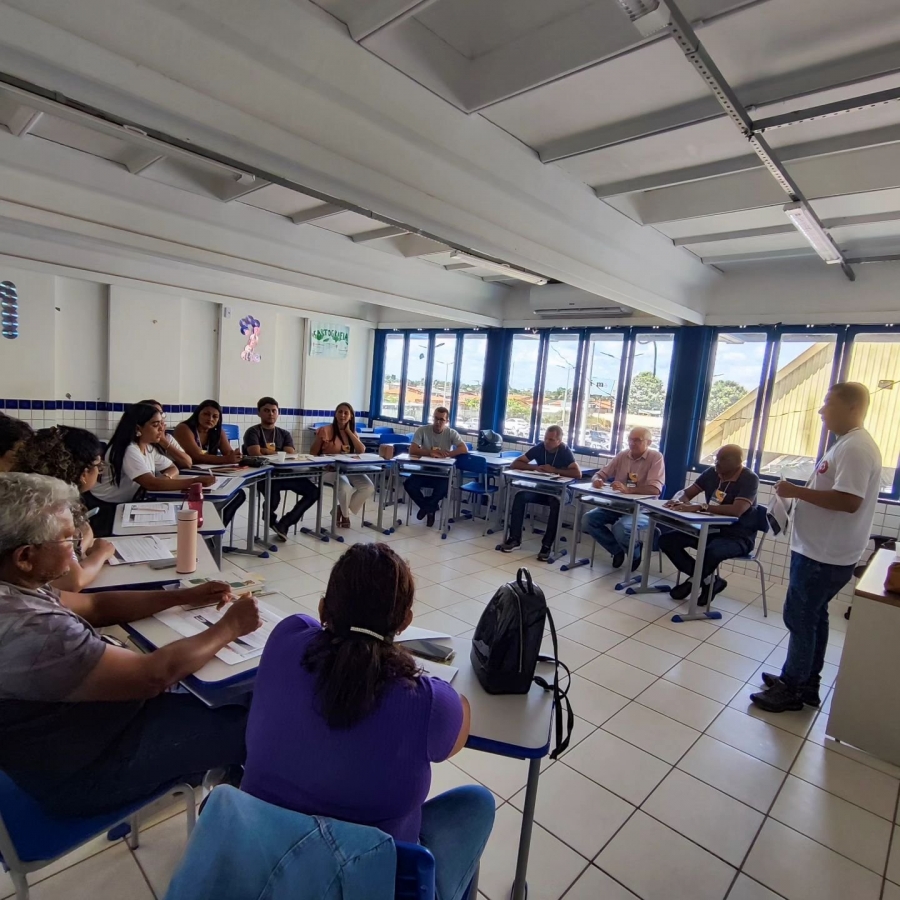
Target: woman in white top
169, 446
132, 463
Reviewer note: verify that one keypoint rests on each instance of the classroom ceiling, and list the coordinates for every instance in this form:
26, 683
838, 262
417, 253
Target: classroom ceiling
628, 115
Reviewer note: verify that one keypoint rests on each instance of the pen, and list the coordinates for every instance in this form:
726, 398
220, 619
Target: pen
209, 624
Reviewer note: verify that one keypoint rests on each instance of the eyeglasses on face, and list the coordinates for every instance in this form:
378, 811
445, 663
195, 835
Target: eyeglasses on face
76, 542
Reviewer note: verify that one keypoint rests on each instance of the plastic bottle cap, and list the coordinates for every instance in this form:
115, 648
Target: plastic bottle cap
187, 515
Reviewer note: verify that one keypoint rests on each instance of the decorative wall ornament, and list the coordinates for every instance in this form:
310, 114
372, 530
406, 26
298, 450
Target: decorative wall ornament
9, 310
250, 327
329, 340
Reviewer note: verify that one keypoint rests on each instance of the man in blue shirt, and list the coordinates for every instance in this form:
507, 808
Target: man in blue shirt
552, 457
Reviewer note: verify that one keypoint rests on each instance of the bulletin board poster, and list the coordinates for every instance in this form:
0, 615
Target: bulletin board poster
328, 340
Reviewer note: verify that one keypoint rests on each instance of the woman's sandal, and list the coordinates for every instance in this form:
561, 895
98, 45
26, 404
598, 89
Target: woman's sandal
344, 522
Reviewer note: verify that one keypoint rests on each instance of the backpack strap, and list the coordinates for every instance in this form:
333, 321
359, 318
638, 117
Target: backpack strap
560, 696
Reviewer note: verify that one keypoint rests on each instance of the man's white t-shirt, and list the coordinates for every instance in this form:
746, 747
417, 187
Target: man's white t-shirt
134, 464
853, 466
425, 436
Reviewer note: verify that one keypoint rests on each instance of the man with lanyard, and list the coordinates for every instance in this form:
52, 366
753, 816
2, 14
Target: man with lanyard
552, 457
266, 439
440, 442
730, 490
637, 470
832, 519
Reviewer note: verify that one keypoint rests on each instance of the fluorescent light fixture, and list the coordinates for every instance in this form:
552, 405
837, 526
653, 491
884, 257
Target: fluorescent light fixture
648, 16
820, 240
509, 271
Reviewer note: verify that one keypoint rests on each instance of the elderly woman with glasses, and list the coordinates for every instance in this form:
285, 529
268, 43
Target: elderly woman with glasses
75, 456
87, 727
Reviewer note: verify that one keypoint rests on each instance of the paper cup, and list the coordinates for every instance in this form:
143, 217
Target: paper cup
281, 456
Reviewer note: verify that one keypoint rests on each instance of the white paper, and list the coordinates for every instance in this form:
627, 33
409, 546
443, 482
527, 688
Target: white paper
438, 670
138, 549
780, 512
358, 457
420, 634
223, 483
143, 514
188, 622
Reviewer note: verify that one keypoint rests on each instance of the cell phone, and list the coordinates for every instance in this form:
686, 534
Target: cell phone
430, 650
162, 563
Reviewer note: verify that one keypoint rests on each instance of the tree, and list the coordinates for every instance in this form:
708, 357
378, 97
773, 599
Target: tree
647, 393
723, 395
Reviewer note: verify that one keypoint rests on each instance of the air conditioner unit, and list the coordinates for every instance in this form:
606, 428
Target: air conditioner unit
561, 301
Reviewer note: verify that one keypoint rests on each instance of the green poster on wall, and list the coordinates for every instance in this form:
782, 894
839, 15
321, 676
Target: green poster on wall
328, 340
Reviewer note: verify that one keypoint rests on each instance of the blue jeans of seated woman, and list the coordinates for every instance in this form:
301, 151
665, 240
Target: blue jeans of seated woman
612, 530
456, 826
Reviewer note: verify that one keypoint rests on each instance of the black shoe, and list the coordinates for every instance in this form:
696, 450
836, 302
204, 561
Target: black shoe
544, 555
710, 590
429, 520
421, 514
281, 530
636, 563
809, 692
509, 546
778, 698
618, 559
681, 591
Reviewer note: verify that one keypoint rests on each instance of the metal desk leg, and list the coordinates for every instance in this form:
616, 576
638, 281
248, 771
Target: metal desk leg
520, 887
217, 549
334, 503
445, 506
266, 513
555, 553
697, 584
646, 558
576, 538
320, 480
510, 490
636, 579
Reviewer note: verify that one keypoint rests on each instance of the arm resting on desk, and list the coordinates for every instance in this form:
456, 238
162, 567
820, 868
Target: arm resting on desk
736, 509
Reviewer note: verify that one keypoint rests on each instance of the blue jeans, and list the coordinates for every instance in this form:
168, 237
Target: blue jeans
810, 589
612, 530
456, 826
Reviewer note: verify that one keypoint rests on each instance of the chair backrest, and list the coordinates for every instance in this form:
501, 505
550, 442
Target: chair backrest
395, 439
508, 454
761, 518
415, 872
383, 429
232, 432
475, 464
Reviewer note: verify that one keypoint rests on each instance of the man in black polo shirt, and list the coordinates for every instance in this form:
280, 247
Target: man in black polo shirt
553, 457
730, 490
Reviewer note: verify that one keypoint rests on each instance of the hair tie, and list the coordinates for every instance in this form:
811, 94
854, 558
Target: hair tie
373, 634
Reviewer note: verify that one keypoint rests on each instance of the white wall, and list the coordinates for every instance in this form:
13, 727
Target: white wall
81, 340
199, 350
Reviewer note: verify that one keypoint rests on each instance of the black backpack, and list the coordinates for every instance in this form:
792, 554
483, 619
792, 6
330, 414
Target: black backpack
489, 441
506, 648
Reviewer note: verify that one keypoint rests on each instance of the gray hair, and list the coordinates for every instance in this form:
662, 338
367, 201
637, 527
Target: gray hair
556, 428
30, 506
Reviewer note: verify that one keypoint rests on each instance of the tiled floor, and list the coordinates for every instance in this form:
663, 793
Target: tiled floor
674, 786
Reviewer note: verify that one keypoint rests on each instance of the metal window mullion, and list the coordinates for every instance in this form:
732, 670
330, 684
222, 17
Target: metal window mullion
537, 404
404, 367
626, 366
775, 343
457, 377
429, 376
574, 424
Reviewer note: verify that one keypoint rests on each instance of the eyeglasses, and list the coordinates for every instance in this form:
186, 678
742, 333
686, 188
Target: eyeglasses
99, 466
75, 541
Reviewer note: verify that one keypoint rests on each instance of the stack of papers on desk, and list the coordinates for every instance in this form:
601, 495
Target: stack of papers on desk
251, 583
140, 549
142, 514
358, 457
188, 622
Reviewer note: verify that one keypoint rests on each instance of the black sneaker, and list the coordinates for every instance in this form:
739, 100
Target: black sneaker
778, 699
429, 520
544, 555
716, 588
618, 559
681, 591
421, 514
636, 563
281, 530
509, 546
809, 693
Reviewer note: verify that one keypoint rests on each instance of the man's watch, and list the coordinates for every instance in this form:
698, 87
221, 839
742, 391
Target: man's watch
704, 507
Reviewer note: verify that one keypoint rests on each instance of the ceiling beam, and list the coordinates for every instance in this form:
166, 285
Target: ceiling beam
849, 70
889, 257
379, 234
412, 245
827, 110
136, 159
241, 186
23, 120
452, 267
761, 256
875, 137
317, 212
377, 15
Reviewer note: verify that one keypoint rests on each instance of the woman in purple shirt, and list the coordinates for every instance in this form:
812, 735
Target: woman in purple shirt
343, 724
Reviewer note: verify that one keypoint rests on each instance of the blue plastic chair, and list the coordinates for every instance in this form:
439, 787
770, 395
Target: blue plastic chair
395, 439
232, 432
31, 839
509, 454
481, 488
383, 429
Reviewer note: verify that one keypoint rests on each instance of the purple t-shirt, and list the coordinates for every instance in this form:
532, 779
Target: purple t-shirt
378, 772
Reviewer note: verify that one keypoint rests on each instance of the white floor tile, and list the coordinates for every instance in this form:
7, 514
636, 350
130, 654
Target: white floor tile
502, 775
772, 745
891, 891
747, 889
893, 869
736, 773
800, 869
681, 704
632, 606
741, 644
616, 621
668, 640
112, 873
724, 661
645, 657
853, 832
599, 593
440, 596
652, 732
658, 864
468, 610
576, 810
593, 636
846, 778
796, 722
574, 606
618, 766
593, 702
552, 866
755, 629
573, 654
617, 676
701, 629
701, 680
438, 620
597, 885
708, 817
160, 852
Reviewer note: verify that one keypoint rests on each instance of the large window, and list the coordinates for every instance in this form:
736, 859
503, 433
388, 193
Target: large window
523, 371
603, 364
471, 381
560, 378
651, 363
423, 370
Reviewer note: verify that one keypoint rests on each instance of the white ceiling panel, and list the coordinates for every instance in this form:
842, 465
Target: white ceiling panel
764, 217
348, 223
280, 200
768, 244
72, 135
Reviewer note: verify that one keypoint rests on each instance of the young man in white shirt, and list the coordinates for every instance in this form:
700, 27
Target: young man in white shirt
439, 441
831, 524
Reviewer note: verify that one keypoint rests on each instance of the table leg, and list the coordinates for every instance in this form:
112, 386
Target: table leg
217, 549
555, 555
576, 539
510, 490
646, 558
520, 888
250, 549
697, 584
268, 509
636, 579
445, 507
334, 503
320, 481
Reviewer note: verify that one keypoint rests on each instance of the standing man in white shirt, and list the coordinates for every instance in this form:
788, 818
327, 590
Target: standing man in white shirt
832, 521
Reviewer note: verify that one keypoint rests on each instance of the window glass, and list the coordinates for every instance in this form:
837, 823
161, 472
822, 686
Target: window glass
602, 363
393, 372
559, 384
442, 372
793, 429
471, 381
737, 368
649, 385
523, 365
416, 363
875, 361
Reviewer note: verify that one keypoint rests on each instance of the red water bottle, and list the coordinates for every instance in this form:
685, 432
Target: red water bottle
195, 501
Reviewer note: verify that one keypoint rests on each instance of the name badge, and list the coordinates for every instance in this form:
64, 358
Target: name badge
632, 479
720, 496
